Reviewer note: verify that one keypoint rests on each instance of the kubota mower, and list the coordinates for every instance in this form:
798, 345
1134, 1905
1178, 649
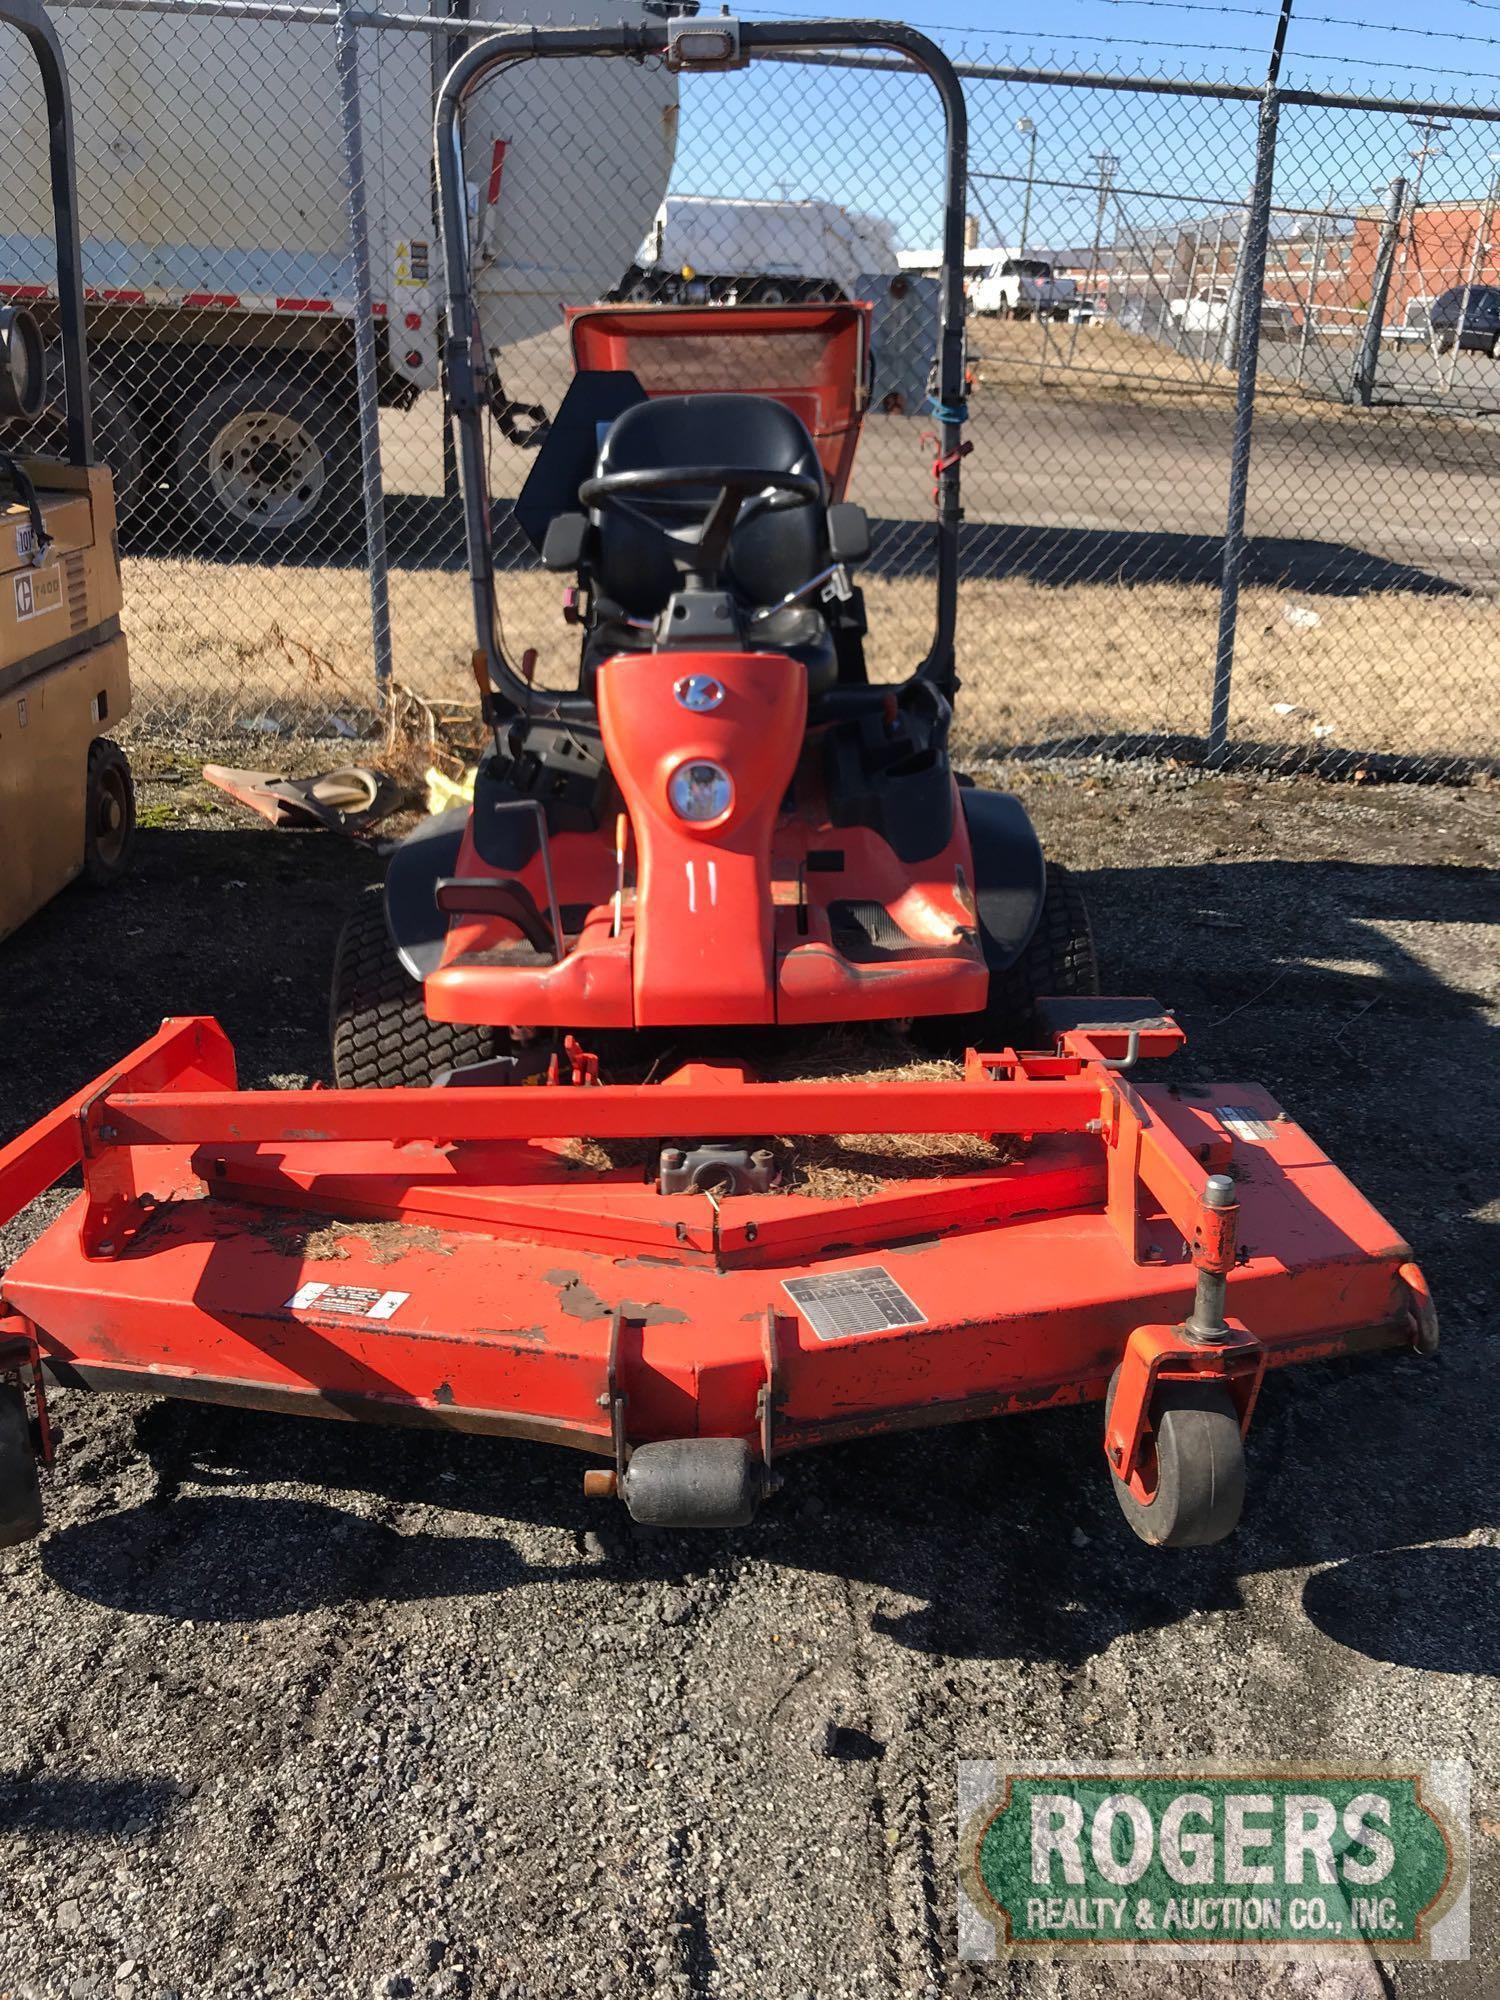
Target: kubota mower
554, 1194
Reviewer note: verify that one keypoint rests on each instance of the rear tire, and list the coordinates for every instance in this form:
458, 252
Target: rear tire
1058, 959
20, 1489
381, 1033
109, 822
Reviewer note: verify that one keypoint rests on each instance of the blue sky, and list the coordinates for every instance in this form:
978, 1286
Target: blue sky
871, 143
1443, 47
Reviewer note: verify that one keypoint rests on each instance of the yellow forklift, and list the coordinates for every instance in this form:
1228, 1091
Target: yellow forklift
67, 803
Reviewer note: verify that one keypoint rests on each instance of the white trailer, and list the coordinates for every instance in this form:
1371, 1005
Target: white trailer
215, 236
733, 251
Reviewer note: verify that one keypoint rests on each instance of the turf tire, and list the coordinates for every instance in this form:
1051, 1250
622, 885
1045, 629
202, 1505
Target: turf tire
1058, 960
381, 1034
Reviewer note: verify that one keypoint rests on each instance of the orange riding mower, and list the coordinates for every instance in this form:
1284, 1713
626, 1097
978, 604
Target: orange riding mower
588, 1172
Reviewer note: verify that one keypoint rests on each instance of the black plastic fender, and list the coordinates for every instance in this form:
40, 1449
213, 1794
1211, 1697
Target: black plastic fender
428, 855
1010, 873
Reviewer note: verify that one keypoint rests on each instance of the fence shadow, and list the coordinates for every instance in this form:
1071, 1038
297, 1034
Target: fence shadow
1056, 556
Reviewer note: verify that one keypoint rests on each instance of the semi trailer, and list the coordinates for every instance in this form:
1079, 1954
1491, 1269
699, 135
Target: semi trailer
213, 213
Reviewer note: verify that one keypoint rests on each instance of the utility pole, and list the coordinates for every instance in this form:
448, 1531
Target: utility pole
1426, 129
1027, 129
1106, 166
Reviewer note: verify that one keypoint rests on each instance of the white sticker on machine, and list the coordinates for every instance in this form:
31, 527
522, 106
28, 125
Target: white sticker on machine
845, 1304
348, 1301
1243, 1124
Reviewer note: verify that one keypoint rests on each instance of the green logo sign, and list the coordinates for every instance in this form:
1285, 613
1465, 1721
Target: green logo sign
1300, 1861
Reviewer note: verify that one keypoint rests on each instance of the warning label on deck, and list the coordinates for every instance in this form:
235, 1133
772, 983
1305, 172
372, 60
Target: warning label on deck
1244, 1124
348, 1301
844, 1304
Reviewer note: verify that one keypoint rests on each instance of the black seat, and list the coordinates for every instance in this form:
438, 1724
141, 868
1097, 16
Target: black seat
771, 553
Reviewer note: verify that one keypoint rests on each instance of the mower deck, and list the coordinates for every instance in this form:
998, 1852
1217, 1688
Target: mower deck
440, 1256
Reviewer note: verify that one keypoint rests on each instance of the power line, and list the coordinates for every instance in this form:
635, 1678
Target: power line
1091, 40
1304, 19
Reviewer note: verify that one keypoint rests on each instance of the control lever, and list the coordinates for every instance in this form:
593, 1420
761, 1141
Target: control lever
835, 576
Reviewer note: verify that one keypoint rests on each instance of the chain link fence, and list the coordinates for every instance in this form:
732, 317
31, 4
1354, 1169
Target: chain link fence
1233, 399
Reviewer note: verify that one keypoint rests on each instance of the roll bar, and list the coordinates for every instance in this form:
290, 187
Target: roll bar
33, 21
466, 361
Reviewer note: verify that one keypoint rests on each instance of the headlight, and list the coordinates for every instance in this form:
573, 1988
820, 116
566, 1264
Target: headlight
700, 791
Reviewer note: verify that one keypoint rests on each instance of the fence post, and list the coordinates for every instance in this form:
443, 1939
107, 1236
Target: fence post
1251, 293
1367, 360
366, 365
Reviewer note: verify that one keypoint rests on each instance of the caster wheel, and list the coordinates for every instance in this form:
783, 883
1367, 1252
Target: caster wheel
20, 1489
1195, 1468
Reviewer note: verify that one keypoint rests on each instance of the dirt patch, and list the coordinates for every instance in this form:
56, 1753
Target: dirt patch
498, 1716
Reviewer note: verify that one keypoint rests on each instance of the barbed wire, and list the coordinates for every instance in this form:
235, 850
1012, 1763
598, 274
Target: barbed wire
1089, 39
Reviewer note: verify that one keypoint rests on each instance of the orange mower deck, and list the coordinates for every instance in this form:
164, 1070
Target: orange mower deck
436, 1255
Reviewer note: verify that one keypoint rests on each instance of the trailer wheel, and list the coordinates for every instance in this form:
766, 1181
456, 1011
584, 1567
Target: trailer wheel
268, 461
109, 822
381, 1033
20, 1489
1196, 1473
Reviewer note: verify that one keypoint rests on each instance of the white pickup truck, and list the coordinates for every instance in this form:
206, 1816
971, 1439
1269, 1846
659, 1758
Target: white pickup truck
1207, 311
1018, 287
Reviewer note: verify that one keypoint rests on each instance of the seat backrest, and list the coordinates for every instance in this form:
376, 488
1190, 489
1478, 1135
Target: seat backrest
770, 553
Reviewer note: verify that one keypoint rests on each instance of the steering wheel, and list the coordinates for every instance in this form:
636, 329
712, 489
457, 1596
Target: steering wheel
702, 546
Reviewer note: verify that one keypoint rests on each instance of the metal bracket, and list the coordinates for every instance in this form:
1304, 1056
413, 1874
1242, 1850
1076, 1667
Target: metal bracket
615, 1401
768, 1402
115, 1210
717, 1167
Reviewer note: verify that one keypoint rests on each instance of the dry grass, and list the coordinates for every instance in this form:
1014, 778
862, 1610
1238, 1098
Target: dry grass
1102, 362
1383, 673
844, 1166
1096, 359
1388, 672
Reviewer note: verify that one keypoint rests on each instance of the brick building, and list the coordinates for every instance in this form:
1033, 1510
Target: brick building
1447, 243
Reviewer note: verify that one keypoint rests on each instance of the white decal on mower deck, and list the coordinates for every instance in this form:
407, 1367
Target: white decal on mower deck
349, 1301
846, 1304
1243, 1124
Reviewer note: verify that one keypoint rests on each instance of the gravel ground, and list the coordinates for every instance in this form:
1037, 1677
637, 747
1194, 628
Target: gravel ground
306, 1709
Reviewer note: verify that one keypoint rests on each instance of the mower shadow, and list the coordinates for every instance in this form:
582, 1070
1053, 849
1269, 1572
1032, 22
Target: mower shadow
1004, 1533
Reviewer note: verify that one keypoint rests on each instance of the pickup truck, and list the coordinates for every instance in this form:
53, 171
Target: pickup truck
1207, 311
1019, 287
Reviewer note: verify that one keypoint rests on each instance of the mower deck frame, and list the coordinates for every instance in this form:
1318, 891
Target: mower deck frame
435, 1256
